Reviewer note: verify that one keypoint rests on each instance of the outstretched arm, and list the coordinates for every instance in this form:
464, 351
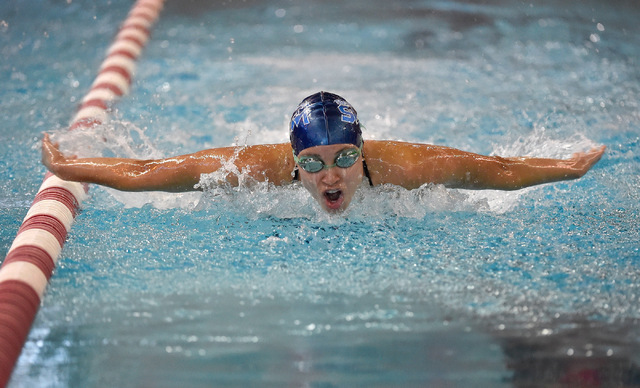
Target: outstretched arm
176, 174
412, 165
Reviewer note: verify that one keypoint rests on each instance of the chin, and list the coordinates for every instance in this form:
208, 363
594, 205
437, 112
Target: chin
335, 207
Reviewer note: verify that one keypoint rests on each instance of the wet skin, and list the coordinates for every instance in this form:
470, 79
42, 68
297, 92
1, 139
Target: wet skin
407, 165
332, 187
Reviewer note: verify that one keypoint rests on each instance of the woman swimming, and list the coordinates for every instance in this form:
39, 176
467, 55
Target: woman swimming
328, 155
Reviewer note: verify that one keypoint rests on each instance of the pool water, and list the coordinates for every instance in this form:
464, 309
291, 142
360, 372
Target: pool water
256, 286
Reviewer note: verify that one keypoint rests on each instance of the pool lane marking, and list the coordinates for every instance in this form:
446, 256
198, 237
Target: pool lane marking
78, 190
27, 273
105, 95
131, 49
98, 114
40, 238
44, 229
117, 70
123, 62
32, 257
19, 303
113, 79
136, 33
51, 207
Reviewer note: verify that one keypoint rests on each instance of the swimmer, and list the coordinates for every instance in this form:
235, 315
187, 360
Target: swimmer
328, 156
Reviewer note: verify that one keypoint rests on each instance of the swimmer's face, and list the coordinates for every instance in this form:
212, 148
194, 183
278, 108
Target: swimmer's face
332, 187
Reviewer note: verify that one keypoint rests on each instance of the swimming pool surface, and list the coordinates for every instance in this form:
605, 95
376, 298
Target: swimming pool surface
255, 286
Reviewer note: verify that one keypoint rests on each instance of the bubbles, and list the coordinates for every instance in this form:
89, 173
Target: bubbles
114, 139
126, 140
399, 267
539, 143
257, 199
16, 75
261, 199
164, 88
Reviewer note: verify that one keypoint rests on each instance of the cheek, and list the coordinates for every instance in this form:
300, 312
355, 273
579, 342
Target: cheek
308, 182
354, 178
358, 174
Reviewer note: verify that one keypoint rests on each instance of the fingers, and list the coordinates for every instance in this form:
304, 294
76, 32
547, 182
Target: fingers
47, 153
595, 154
51, 151
47, 139
51, 155
595, 151
46, 143
583, 161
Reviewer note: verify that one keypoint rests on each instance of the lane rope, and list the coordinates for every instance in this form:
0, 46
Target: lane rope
32, 257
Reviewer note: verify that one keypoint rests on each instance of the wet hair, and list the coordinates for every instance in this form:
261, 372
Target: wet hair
323, 119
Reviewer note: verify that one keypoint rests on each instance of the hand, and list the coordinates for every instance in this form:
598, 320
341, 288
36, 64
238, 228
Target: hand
52, 158
583, 161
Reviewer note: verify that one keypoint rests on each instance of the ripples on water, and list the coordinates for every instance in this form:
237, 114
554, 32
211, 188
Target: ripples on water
256, 286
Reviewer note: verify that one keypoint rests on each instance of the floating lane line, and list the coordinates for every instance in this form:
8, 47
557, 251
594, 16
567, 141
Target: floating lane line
33, 255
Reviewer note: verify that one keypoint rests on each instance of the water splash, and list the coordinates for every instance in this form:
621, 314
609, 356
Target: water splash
540, 143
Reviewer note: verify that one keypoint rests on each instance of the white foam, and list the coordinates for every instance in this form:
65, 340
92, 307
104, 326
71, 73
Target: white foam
539, 143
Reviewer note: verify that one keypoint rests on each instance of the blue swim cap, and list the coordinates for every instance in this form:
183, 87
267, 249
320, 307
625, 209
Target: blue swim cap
324, 119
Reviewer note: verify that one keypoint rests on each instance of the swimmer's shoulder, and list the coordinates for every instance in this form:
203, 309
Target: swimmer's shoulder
379, 156
389, 151
270, 162
274, 160
395, 162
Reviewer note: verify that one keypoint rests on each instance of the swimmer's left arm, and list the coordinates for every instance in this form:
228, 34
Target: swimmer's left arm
412, 165
513, 173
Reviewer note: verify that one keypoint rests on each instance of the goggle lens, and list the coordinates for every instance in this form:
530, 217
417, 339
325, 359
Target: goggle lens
312, 164
347, 159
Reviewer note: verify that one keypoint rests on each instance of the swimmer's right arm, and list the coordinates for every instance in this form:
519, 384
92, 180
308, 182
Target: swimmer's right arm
176, 174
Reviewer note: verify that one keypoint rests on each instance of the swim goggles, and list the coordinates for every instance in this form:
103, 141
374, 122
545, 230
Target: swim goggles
313, 164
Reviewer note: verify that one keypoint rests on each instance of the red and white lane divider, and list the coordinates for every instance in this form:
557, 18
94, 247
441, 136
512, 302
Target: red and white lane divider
26, 270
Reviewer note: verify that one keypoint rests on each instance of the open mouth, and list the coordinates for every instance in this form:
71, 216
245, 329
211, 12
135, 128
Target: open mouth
333, 198
333, 195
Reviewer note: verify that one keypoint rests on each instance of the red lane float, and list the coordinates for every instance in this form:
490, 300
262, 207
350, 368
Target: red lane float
30, 261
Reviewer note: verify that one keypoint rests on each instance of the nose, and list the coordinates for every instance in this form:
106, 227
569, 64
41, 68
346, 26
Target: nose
331, 176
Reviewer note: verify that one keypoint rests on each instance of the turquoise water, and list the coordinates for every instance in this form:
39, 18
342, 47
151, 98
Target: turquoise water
256, 286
